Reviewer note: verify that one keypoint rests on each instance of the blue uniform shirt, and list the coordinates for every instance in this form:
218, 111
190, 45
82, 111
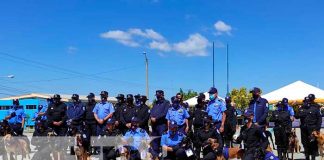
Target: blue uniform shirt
167, 140
139, 136
215, 109
75, 111
160, 109
20, 115
291, 110
178, 115
103, 109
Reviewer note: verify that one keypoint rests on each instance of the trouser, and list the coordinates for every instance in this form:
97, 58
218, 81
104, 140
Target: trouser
182, 129
310, 147
92, 129
60, 130
17, 128
100, 128
228, 138
217, 125
157, 131
179, 154
109, 153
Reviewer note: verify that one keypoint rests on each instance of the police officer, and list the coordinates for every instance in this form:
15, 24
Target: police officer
178, 114
56, 116
119, 107
229, 126
290, 108
259, 106
171, 142
127, 114
143, 113
90, 120
158, 121
253, 137
282, 128
38, 116
16, 118
310, 120
103, 111
110, 132
75, 113
40, 141
201, 137
137, 100
199, 112
136, 140
216, 108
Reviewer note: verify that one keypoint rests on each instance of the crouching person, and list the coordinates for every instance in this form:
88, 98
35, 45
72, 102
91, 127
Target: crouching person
175, 145
136, 142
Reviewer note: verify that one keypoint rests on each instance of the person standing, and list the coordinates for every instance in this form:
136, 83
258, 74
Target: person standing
178, 114
229, 126
216, 108
127, 114
282, 128
75, 113
56, 116
143, 113
199, 113
119, 107
259, 106
310, 120
158, 121
103, 111
16, 118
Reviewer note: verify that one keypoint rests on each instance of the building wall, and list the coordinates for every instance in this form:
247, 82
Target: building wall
30, 106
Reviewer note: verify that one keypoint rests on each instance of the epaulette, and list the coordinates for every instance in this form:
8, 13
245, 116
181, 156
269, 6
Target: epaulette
220, 100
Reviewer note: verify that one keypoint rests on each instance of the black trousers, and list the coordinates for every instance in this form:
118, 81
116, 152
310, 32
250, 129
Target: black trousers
310, 147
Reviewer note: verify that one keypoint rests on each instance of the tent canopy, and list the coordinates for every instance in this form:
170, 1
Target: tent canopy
193, 101
296, 91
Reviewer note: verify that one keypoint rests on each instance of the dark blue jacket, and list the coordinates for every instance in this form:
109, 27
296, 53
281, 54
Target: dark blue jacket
261, 110
75, 112
159, 111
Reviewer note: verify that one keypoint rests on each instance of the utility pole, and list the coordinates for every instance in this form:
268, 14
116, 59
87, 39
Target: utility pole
213, 66
146, 66
227, 70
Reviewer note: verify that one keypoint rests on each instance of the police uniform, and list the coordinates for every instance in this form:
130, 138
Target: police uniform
41, 142
310, 120
17, 117
90, 120
202, 135
173, 141
109, 152
75, 114
178, 114
230, 124
282, 128
215, 109
159, 111
259, 106
198, 117
135, 139
119, 107
126, 116
56, 112
103, 109
143, 114
254, 140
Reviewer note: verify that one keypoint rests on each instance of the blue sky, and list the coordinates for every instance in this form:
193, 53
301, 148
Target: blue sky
87, 46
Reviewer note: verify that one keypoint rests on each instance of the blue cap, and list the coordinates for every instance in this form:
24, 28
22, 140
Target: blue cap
284, 101
248, 113
110, 121
135, 120
173, 124
255, 90
212, 90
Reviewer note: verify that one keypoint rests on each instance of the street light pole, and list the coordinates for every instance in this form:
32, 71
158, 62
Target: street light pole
8, 76
146, 66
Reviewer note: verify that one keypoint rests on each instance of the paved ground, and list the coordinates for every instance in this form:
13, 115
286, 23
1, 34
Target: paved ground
296, 155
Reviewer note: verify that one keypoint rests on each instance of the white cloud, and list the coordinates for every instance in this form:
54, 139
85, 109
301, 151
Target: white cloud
72, 49
120, 36
195, 45
162, 46
221, 27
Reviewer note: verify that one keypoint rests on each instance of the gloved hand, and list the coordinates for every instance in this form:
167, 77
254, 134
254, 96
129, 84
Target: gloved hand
13, 114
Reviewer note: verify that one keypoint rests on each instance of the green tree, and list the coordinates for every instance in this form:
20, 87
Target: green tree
188, 95
241, 97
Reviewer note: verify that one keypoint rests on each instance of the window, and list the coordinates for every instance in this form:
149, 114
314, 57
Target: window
4, 107
30, 106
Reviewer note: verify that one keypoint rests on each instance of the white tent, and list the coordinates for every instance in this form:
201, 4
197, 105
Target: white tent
193, 101
294, 92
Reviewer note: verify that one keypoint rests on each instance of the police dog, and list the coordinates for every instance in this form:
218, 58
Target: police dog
293, 144
79, 149
16, 146
320, 142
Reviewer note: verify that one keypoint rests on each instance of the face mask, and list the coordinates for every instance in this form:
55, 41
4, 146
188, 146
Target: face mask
159, 97
90, 100
255, 96
56, 101
212, 97
133, 126
129, 101
103, 98
74, 100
